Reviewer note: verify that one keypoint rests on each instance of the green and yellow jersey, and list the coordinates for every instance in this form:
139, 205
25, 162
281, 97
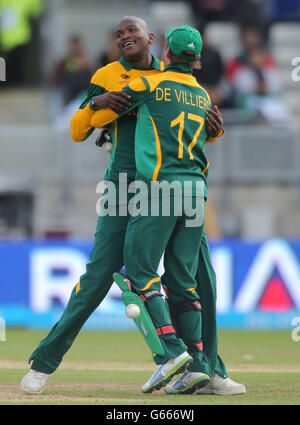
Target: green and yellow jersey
113, 77
170, 131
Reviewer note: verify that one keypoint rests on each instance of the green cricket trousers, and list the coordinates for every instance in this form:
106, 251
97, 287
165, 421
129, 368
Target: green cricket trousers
107, 258
207, 290
148, 237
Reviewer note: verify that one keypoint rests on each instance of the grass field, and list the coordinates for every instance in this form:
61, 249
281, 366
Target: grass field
108, 368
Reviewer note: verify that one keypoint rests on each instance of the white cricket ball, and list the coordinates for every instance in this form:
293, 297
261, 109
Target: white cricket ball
132, 311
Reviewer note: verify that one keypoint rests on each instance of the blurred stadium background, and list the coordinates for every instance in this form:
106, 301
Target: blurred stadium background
48, 184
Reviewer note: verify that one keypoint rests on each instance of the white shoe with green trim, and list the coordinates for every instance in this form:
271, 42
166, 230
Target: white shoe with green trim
187, 383
165, 372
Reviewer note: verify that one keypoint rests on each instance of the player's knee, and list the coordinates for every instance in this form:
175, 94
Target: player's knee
149, 295
184, 306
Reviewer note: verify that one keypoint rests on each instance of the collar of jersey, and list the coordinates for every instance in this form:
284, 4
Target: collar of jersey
179, 68
128, 65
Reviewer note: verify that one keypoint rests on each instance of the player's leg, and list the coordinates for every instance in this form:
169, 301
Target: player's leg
181, 259
206, 287
146, 239
106, 258
92, 287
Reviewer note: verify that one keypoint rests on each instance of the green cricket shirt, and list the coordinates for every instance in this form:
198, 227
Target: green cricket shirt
170, 132
113, 77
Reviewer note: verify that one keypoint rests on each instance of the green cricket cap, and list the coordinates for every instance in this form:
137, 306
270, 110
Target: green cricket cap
184, 38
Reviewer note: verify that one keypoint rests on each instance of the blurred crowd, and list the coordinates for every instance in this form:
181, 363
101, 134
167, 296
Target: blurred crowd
258, 13
247, 82
245, 86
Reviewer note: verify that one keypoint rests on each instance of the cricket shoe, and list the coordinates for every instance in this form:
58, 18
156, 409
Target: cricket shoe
165, 372
34, 382
187, 383
220, 386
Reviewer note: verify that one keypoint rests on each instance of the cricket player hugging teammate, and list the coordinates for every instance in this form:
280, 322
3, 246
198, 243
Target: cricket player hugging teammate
169, 147
164, 143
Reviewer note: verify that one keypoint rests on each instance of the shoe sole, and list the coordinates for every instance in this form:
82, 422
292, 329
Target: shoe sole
221, 392
27, 391
163, 382
191, 388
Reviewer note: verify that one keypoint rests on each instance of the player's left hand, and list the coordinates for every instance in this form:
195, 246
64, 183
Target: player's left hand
214, 121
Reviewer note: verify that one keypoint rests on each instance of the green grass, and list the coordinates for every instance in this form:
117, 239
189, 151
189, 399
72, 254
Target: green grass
110, 367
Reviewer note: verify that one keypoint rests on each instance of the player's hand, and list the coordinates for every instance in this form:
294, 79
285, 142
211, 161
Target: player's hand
117, 100
214, 121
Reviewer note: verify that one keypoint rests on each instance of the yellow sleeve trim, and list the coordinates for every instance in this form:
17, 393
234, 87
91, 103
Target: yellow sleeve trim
213, 139
155, 80
106, 73
98, 75
80, 123
102, 117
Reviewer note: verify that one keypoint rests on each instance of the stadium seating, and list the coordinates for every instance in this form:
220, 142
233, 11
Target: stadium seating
284, 41
63, 176
225, 37
165, 14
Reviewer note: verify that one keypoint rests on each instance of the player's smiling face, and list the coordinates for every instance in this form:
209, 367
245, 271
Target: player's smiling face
132, 39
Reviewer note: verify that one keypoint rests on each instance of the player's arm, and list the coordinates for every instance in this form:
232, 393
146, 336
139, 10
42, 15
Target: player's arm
214, 124
116, 100
80, 124
137, 91
81, 128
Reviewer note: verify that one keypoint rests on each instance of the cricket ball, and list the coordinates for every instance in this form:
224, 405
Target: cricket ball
132, 311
